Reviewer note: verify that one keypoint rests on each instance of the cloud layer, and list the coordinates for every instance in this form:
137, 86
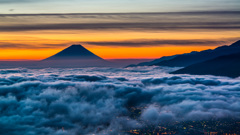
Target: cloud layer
99, 100
202, 28
129, 43
139, 43
215, 20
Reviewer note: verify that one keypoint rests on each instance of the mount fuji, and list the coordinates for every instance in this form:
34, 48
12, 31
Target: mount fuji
75, 56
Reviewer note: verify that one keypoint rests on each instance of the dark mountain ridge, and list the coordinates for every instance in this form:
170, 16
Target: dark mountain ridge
183, 60
227, 65
197, 57
153, 61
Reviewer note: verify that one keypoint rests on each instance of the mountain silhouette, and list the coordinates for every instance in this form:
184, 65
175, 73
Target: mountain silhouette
197, 57
183, 60
153, 62
228, 65
73, 57
74, 52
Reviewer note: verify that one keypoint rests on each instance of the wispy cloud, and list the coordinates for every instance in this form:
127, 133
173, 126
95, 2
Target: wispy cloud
12, 45
139, 43
217, 20
126, 26
128, 43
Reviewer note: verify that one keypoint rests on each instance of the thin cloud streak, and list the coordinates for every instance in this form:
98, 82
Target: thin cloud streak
129, 43
218, 20
142, 43
10, 45
126, 26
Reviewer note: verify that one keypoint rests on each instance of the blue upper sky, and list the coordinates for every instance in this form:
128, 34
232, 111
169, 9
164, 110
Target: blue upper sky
111, 6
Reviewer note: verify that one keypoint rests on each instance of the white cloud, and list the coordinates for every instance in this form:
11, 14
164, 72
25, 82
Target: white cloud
94, 101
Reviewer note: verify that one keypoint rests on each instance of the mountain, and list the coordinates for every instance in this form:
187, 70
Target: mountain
228, 65
74, 56
74, 52
197, 57
183, 60
127, 62
153, 61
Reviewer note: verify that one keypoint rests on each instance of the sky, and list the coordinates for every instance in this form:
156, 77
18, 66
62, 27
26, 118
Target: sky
113, 6
34, 30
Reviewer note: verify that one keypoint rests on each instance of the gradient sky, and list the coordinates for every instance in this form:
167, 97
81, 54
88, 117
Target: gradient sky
33, 29
113, 6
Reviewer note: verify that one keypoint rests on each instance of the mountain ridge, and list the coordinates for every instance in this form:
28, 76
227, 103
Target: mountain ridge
193, 58
187, 59
227, 65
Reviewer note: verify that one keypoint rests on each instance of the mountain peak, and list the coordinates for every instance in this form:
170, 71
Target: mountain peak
76, 45
74, 52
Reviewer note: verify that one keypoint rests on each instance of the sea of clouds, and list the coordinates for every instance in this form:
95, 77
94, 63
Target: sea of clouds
99, 100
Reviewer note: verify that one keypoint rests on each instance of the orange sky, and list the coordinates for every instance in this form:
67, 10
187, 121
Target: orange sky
104, 52
116, 35
37, 45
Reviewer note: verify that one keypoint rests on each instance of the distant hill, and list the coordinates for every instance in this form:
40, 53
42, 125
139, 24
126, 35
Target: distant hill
153, 61
126, 62
183, 60
197, 57
228, 65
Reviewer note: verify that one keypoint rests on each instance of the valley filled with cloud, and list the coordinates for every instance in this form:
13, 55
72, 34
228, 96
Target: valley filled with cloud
102, 100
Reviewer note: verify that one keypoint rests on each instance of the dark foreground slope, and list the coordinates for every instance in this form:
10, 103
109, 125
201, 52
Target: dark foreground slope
228, 65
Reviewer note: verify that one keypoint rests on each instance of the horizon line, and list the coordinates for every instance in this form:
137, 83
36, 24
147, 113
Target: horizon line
25, 60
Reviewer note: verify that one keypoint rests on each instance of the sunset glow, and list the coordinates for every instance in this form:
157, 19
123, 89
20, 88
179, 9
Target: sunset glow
130, 29
119, 67
37, 45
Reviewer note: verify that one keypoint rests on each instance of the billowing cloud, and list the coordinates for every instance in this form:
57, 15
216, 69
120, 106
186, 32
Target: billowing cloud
96, 101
